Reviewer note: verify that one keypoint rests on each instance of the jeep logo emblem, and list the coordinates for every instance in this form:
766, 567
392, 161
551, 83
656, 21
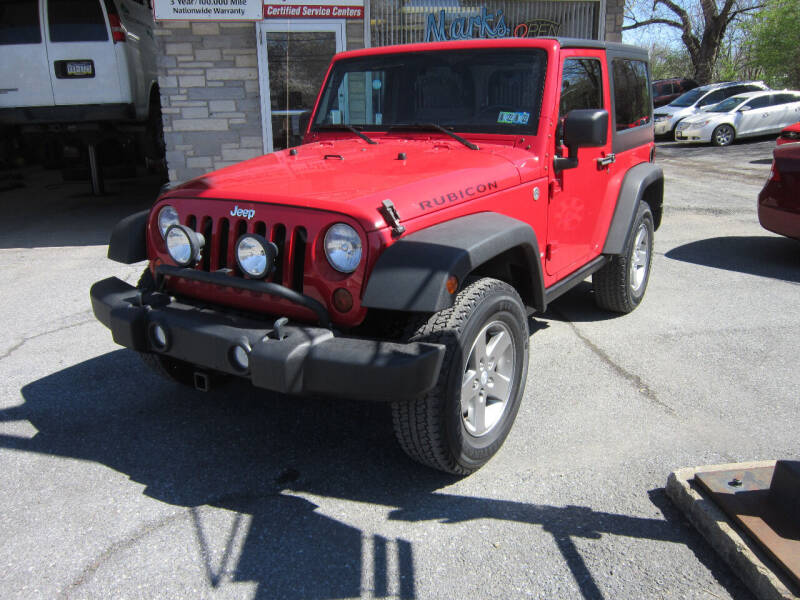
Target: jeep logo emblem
242, 212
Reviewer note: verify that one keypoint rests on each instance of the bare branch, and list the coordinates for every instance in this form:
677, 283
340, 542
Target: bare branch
732, 16
638, 24
686, 23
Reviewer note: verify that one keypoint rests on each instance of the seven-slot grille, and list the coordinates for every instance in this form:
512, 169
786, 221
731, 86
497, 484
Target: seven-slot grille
222, 233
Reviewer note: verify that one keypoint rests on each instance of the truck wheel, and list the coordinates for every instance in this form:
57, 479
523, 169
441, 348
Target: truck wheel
170, 368
460, 424
620, 285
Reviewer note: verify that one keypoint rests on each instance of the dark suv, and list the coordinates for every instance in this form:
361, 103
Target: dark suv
666, 90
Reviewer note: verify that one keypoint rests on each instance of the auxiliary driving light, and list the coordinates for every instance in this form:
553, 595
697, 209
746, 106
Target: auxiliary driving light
240, 357
184, 245
255, 255
158, 336
166, 216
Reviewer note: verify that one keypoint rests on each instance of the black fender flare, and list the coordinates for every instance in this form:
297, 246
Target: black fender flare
128, 242
411, 274
645, 179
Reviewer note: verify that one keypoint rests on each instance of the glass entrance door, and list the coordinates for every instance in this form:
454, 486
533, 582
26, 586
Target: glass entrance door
295, 57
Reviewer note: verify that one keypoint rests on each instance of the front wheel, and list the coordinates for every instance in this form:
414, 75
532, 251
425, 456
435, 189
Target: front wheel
460, 424
723, 135
620, 285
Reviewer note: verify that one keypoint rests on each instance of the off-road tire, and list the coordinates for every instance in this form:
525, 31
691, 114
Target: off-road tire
616, 287
167, 367
432, 429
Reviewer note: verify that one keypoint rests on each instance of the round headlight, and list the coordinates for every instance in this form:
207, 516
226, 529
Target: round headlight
184, 245
166, 216
343, 248
255, 255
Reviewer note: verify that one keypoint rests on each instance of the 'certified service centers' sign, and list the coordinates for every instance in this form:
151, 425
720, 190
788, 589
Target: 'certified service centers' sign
209, 10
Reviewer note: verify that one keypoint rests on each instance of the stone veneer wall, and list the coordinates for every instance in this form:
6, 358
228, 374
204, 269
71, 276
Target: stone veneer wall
208, 78
615, 10
211, 107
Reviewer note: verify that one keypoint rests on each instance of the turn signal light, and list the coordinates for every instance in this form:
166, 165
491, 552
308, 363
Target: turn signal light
342, 300
452, 284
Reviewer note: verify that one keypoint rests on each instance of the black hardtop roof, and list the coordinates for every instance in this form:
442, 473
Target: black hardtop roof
627, 49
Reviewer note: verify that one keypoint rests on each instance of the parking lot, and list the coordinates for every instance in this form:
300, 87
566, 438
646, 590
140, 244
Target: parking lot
114, 483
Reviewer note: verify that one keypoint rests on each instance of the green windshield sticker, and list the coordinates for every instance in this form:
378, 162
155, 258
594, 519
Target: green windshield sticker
513, 118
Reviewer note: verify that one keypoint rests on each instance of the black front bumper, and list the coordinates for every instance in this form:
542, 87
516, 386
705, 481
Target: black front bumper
306, 360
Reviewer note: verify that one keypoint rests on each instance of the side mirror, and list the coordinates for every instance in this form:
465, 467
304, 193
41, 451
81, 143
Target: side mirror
743, 109
583, 128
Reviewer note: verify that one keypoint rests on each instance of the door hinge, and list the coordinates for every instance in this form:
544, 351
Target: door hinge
548, 252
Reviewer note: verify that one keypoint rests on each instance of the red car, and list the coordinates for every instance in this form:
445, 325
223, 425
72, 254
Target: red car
779, 201
789, 134
666, 90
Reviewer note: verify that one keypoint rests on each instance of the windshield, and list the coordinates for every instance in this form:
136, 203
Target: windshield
488, 91
688, 98
727, 105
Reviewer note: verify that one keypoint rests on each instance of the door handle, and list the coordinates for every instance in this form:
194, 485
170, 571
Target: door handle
606, 160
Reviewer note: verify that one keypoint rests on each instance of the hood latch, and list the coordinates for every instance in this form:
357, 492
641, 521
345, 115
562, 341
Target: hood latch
391, 217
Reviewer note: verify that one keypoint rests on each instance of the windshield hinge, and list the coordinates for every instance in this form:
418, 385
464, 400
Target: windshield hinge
391, 217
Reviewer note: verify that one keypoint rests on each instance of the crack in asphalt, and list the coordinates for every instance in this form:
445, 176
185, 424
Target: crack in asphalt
643, 388
24, 341
90, 569
188, 514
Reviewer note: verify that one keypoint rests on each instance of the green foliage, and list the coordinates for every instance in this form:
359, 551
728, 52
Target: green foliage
666, 62
775, 42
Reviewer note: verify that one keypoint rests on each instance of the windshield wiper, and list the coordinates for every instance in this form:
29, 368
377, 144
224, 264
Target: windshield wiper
436, 127
348, 128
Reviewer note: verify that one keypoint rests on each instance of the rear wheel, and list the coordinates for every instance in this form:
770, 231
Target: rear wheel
723, 135
460, 424
620, 285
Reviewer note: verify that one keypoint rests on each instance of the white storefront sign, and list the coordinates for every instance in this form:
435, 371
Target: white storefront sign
208, 10
313, 9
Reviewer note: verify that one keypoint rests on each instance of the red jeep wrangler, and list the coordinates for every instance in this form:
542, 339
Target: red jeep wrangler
443, 193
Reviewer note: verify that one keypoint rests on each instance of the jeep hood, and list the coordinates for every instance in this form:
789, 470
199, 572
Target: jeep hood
353, 177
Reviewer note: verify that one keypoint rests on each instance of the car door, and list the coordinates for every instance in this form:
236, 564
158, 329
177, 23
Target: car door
787, 110
754, 116
82, 60
24, 79
579, 192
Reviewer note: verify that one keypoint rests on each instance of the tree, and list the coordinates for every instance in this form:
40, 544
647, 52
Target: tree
775, 42
701, 24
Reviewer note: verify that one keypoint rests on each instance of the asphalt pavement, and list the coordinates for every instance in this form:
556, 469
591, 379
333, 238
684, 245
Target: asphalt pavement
116, 484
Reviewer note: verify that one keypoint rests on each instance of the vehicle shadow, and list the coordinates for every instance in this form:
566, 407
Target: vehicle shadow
252, 453
767, 256
577, 306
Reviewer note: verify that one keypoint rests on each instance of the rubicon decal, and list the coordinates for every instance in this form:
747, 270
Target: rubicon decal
243, 212
462, 194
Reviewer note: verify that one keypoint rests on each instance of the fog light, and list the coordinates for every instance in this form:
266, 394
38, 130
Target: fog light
240, 357
158, 335
184, 245
342, 300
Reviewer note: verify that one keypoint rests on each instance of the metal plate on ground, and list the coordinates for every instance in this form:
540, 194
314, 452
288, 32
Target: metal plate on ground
744, 495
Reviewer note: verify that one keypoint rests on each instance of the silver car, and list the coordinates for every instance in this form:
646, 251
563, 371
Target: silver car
665, 118
754, 113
